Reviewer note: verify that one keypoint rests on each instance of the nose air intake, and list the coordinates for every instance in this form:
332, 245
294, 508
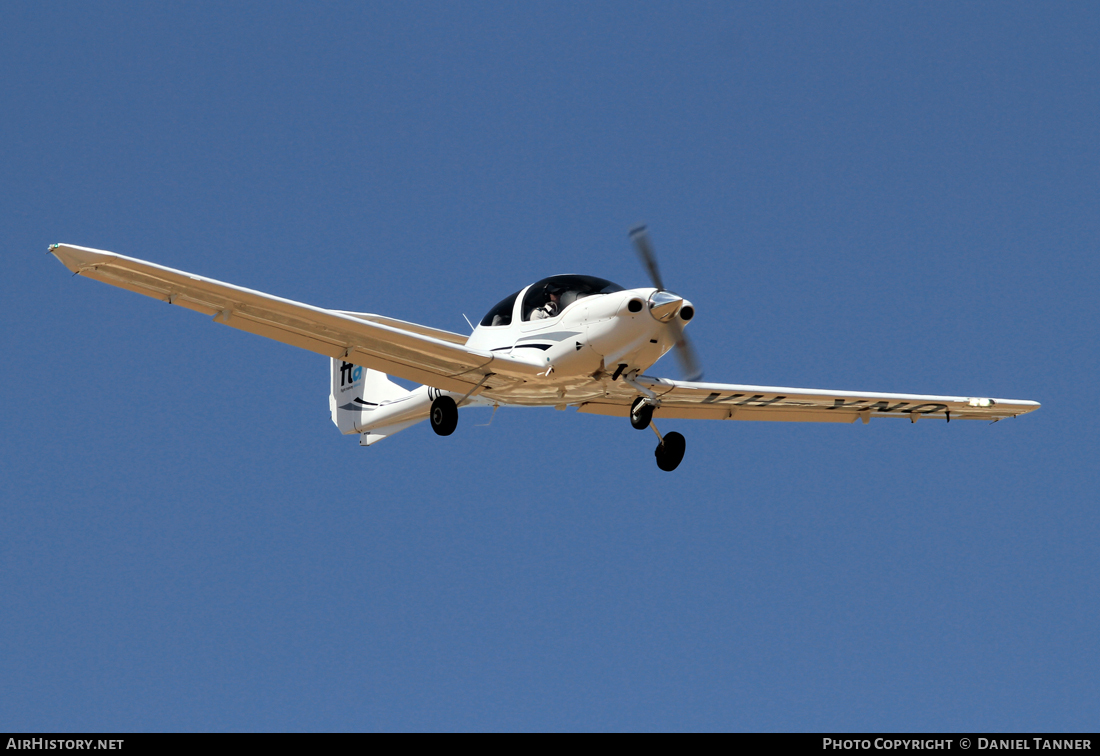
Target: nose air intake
663, 305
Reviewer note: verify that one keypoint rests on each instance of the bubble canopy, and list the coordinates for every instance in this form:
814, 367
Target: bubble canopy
562, 290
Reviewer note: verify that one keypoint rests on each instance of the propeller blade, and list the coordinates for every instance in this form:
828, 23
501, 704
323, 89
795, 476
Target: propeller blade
640, 237
685, 353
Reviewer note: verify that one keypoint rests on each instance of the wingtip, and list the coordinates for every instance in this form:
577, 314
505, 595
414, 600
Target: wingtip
59, 251
64, 256
1020, 406
76, 258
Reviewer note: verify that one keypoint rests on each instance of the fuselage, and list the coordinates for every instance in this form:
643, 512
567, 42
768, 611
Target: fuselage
581, 332
590, 328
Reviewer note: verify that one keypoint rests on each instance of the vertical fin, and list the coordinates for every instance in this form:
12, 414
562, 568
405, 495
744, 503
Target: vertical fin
355, 391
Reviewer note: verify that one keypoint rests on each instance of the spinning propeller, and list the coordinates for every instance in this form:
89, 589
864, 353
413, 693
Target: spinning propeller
672, 303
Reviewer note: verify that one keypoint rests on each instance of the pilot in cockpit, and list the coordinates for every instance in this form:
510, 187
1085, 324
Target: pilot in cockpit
549, 310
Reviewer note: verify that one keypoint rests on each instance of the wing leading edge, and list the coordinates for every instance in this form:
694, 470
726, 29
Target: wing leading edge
721, 401
426, 355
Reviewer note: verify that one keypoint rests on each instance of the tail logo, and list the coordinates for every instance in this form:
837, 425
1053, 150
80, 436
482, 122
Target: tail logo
350, 373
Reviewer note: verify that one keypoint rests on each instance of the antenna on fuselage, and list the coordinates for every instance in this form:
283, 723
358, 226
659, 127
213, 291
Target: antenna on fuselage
472, 329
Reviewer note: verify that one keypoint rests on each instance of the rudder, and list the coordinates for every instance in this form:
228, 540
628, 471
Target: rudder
356, 390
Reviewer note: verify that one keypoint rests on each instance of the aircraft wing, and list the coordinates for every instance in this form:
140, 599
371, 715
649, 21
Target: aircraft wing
417, 353
721, 401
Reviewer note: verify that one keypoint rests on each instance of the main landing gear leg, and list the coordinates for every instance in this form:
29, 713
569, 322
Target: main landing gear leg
444, 415
670, 449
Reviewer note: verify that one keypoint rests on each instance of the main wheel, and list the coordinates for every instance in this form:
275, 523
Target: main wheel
670, 451
641, 412
444, 415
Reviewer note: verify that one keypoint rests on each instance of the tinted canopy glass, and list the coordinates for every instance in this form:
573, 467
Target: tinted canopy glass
548, 297
501, 314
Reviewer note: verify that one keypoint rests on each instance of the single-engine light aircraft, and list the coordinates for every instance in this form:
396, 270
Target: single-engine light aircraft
565, 341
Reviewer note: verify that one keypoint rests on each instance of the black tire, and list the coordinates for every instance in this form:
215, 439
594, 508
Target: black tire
444, 416
670, 451
641, 412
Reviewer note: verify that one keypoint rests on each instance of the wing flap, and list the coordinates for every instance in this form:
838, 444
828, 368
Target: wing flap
403, 352
714, 413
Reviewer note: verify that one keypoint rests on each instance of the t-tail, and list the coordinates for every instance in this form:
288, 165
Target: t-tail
367, 402
361, 398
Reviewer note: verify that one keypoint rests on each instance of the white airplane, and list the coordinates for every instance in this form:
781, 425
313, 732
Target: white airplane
564, 341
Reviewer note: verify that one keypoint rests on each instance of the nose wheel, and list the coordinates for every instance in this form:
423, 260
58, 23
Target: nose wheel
444, 415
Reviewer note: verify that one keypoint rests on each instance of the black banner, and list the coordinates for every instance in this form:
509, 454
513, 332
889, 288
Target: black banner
832, 743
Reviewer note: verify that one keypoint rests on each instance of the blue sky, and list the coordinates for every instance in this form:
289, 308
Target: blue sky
882, 197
